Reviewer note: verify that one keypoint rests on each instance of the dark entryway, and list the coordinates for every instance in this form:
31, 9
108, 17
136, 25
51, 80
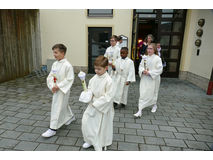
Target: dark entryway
167, 26
98, 38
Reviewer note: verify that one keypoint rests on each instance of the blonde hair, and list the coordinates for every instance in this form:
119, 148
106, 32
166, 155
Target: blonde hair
154, 47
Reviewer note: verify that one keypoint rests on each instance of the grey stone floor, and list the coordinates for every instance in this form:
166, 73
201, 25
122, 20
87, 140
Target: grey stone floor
183, 121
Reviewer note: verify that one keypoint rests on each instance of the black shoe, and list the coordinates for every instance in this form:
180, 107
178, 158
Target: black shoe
123, 105
115, 105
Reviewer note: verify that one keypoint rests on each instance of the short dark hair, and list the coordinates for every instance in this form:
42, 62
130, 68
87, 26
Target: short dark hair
101, 61
125, 49
61, 47
119, 38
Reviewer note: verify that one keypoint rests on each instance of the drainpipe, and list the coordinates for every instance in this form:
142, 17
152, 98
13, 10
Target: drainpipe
210, 87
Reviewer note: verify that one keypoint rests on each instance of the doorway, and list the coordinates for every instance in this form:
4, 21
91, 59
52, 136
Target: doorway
167, 27
98, 38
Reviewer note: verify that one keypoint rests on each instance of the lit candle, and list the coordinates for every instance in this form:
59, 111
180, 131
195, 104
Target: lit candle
82, 76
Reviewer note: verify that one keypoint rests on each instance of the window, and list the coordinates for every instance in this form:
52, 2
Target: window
100, 12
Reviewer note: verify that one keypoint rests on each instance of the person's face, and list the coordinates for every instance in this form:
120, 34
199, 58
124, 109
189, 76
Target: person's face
150, 50
123, 54
100, 70
58, 54
113, 42
158, 45
121, 41
149, 39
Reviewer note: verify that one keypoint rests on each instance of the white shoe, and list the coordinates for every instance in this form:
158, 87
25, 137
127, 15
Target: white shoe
154, 108
86, 145
49, 133
70, 121
138, 114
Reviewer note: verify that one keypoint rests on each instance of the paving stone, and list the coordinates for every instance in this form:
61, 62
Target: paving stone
174, 142
150, 127
127, 131
22, 115
75, 133
23, 128
143, 121
165, 148
37, 117
47, 140
9, 113
27, 122
128, 120
197, 145
178, 124
123, 146
186, 136
8, 143
134, 139
26, 146
168, 128
2, 131
47, 147
68, 148
133, 125
204, 138
118, 137
28, 137
185, 130
164, 134
147, 147
66, 141
114, 146
11, 119
154, 140
10, 134
204, 131
41, 124
159, 122
193, 125
9, 126
145, 132
118, 124
39, 130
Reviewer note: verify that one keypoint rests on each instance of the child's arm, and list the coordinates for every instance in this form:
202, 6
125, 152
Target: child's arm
158, 69
66, 84
131, 75
50, 82
102, 104
141, 68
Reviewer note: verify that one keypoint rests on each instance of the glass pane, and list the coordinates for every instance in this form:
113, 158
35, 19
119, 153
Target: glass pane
147, 15
178, 13
165, 53
172, 66
166, 26
164, 40
177, 27
167, 15
167, 10
144, 10
175, 40
174, 53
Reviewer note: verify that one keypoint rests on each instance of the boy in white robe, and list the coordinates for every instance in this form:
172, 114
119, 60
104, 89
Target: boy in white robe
97, 121
150, 80
125, 74
112, 53
59, 81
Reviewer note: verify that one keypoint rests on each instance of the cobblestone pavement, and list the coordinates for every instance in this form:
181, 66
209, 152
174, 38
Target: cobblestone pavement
183, 121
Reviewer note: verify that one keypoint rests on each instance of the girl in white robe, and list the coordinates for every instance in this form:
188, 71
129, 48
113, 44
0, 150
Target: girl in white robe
112, 53
125, 74
97, 121
150, 80
62, 70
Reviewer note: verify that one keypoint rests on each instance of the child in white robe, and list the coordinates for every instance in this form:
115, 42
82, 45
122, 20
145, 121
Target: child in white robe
59, 81
112, 53
150, 80
125, 74
97, 121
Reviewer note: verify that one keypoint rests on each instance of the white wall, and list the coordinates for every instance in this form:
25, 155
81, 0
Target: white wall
200, 65
70, 27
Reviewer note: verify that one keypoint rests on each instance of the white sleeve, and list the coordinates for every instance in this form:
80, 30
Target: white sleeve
131, 75
158, 69
66, 84
141, 68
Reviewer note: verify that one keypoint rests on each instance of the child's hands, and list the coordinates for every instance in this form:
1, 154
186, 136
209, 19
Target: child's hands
146, 72
127, 83
55, 89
